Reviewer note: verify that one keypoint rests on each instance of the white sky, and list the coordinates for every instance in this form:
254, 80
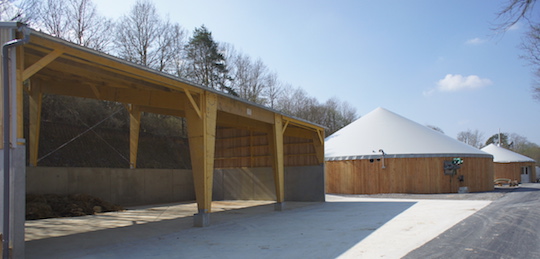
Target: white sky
434, 62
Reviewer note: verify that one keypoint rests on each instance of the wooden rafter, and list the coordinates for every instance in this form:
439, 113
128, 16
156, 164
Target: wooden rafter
193, 103
285, 126
107, 63
34, 68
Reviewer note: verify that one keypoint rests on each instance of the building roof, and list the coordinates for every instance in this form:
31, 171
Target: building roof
503, 155
383, 130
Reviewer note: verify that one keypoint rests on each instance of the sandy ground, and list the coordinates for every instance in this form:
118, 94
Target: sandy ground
342, 227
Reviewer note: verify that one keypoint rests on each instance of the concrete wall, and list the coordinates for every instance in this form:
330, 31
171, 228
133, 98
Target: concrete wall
305, 183
117, 185
130, 187
302, 183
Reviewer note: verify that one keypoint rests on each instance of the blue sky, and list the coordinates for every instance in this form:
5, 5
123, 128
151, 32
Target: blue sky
434, 62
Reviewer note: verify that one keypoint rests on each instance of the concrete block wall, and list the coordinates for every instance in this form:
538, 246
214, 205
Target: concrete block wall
124, 187
129, 187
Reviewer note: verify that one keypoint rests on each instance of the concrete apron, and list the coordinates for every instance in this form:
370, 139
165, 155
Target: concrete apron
344, 227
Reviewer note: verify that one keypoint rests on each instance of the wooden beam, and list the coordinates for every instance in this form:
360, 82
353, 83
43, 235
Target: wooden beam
320, 133
34, 68
202, 141
303, 124
154, 110
157, 99
230, 120
95, 90
35, 98
193, 103
110, 63
246, 110
285, 126
134, 128
278, 163
318, 145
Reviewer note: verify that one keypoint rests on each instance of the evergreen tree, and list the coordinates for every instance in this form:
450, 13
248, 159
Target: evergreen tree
204, 64
503, 142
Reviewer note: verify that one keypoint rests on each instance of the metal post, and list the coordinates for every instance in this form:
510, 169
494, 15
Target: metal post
7, 134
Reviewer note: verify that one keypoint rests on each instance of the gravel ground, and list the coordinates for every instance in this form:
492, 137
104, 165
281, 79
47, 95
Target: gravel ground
499, 192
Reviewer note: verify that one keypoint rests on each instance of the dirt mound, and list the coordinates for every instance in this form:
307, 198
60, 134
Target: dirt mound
56, 206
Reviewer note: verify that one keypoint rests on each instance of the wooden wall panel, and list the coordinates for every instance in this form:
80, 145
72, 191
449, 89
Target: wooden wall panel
237, 148
512, 171
407, 175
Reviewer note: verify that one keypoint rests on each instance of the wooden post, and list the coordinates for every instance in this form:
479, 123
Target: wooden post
134, 129
318, 144
278, 163
202, 141
34, 102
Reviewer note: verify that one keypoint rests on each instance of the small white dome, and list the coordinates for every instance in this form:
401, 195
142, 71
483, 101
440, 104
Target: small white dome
503, 155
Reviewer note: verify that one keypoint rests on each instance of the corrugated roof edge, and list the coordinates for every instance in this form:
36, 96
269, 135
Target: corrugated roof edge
182, 80
376, 156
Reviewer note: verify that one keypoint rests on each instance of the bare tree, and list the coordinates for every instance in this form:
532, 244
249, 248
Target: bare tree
170, 43
524, 10
273, 89
86, 27
522, 145
517, 142
288, 101
136, 34
531, 48
249, 78
74, 20
252, 80
348, 112
144, 38
513, 12
24, 11
336, 115
473, 138
435, 128
53, 18
333, 114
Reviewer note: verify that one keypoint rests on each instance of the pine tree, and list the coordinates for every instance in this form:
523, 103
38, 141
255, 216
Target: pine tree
204, 64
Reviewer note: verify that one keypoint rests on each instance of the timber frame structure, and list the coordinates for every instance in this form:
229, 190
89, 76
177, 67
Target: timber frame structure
48, 65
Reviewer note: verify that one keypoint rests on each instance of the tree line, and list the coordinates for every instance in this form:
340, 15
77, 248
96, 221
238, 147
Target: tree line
146, 38
511, 141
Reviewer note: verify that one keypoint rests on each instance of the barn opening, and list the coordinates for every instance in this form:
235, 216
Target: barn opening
237, 149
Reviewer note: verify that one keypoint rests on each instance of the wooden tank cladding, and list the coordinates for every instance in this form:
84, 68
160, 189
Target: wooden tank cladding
407, 175
236, 148
512, 170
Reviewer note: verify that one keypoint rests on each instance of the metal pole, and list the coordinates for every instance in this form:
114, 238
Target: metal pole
7, 133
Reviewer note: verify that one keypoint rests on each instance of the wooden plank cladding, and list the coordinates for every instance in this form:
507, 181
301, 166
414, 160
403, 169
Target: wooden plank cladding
513, 170
251, 148
407, 175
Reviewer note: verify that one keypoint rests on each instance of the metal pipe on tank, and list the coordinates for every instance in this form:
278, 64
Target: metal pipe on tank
383, 154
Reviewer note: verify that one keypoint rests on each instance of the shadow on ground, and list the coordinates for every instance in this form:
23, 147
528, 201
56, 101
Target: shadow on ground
316, 230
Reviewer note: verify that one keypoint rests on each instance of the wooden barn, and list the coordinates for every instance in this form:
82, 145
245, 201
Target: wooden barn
383, 152
238, 150
511, 165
